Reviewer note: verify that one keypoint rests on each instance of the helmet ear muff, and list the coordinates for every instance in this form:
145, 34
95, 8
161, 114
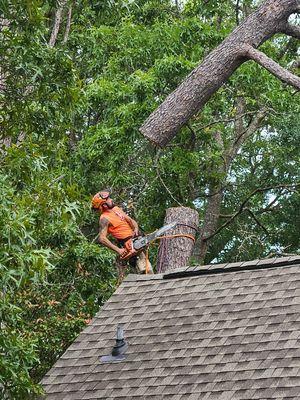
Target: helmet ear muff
97, 201
100, 199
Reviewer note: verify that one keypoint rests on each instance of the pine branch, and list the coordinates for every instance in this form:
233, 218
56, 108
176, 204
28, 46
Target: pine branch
272, 66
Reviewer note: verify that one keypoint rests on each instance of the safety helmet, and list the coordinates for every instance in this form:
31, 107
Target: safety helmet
100, 198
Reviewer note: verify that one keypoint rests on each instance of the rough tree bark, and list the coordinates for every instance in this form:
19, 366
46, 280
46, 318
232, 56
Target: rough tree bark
68, 25
216, 191
57, 20
4, 23
213, 208
270, 18
175, 252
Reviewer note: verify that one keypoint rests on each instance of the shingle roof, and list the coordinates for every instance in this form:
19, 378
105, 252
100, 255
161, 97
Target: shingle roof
214, 332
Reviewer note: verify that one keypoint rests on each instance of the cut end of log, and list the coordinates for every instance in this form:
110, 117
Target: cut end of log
152, 140
158, 139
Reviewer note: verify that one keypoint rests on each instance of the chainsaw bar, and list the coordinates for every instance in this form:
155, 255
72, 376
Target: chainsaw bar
142, 242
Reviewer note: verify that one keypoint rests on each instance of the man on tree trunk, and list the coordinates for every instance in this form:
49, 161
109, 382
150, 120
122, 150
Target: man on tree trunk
114, 221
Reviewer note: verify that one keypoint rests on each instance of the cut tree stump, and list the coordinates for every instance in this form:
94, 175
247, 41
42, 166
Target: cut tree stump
175, 252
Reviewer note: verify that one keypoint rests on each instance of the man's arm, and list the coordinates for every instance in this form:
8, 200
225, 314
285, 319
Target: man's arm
133, 225
105, 241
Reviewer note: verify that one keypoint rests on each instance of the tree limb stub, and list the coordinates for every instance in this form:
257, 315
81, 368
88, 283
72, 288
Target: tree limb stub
272, 66
292, 30
270, 18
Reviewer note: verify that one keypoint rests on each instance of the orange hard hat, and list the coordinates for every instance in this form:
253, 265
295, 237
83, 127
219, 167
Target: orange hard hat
100, 198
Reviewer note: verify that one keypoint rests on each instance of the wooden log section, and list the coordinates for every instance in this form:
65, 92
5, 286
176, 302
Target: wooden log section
175, 252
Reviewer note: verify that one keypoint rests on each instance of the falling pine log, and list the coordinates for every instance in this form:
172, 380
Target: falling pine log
174, 252
241, 45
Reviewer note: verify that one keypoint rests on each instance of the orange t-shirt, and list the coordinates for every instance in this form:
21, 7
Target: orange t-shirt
118, 227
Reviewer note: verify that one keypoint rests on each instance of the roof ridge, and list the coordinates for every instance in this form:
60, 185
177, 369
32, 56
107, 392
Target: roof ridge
212, 269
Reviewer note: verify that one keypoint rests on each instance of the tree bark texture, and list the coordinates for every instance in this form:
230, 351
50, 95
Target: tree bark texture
214, 202
4, 23
175, 252
68, 25
270, 18
57, 20
210, 222
273, 67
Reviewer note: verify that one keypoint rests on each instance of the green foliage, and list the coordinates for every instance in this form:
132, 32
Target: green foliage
69, 118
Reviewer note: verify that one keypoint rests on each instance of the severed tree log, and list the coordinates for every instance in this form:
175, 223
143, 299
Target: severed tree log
175, 252
270, 18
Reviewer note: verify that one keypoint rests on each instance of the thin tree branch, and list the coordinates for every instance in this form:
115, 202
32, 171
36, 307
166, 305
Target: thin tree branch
237, 9
292, 30
193, 138
61, 177
270, 205
240, 111
68, 26
161, 180
57, 20
256, 220
224, 121
272, 66
243, 205
242, 136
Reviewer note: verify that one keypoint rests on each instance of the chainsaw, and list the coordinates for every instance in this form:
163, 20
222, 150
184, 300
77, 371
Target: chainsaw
138, 244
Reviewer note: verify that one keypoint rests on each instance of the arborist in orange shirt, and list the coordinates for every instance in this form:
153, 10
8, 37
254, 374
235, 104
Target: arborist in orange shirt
114, 221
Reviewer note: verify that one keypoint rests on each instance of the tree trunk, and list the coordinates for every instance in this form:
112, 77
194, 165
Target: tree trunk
4, 23
57, 20
68, 26
175, 252
270, 18
213, 208
216, 192
210, 223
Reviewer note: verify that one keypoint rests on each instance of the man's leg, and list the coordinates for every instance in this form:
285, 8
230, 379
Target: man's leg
143, 264
121, 267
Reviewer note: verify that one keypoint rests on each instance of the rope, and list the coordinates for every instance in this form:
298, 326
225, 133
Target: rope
177, 235
189, 226
147, 261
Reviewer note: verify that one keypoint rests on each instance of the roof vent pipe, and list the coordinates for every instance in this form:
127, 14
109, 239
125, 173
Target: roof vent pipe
117, 353
121, 346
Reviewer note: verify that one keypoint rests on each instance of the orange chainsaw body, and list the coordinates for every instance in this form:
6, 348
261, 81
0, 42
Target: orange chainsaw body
130, 251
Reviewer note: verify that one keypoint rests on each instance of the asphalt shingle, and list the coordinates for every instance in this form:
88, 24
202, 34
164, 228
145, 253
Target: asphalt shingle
227, 331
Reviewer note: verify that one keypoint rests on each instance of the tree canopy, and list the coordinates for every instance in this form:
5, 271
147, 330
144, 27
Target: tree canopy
77, 80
